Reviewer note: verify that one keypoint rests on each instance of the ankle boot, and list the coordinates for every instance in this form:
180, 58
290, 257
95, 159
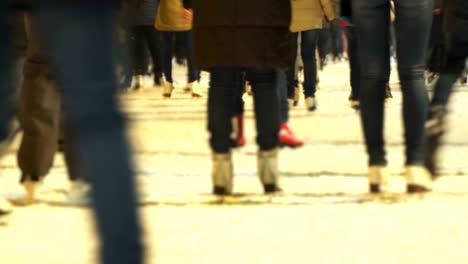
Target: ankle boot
378, 179
222, 173
418, 179
267, 166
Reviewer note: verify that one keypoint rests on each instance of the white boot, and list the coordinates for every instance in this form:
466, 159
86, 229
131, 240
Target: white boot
378, 179
267, 169
195, 88
5, 210
222, 174
311, 103
418, 179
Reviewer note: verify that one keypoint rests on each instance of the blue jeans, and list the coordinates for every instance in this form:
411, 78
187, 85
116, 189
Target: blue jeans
224, 86
167, 53
81, 36
308, 48
412, 28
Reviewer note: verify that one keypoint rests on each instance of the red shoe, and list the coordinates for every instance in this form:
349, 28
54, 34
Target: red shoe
238, 137
287, 138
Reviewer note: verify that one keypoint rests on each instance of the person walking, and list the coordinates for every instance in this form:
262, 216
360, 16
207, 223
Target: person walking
412, 28
307, 20
232, 37
170, 23
143, 38
452, 64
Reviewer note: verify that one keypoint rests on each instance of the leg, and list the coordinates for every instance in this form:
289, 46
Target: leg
413, 24
223, 85
308, 47
97, 126
166, 45
187, 38
39, 111
154, 44
267, 119
372, 18
291, 72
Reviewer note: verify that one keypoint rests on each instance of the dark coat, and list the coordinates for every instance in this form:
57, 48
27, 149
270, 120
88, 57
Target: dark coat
456, 16
242, 33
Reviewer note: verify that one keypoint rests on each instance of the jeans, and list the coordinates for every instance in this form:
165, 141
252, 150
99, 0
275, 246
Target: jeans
353, 54
412, 28
168, 52
81, 38
308, 48
144, 37
224, 85
456, 59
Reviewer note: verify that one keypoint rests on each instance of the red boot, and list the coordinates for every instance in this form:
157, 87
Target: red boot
287, 138
237, 136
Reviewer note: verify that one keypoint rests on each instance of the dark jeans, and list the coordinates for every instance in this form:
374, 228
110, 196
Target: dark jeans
81, 37
167, 38
224, 84
456, 59
308, 53
412, 28
143, 38
354, 67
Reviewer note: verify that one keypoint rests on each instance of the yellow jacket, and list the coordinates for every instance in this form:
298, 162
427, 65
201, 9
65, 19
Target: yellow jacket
169, 16
309, 14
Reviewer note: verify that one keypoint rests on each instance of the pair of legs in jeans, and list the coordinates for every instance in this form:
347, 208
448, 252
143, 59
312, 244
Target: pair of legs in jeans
146, 38
225, 84
186, 38
81, 37
412, 27
309, 40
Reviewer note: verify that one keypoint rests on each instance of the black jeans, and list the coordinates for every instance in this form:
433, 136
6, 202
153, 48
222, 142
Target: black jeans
81, 37
167, 38
309, 40
412, 28
456, 63
224, 86
143, 38
353, 54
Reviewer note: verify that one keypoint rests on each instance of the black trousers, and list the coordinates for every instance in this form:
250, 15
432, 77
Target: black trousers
144, 39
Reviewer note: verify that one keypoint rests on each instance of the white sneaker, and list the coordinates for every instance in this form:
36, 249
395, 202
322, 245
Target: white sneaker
195, 88
167, 89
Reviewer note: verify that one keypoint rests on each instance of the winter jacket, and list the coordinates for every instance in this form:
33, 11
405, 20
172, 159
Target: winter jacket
142, 12
169, 16
308, 14
242, 33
